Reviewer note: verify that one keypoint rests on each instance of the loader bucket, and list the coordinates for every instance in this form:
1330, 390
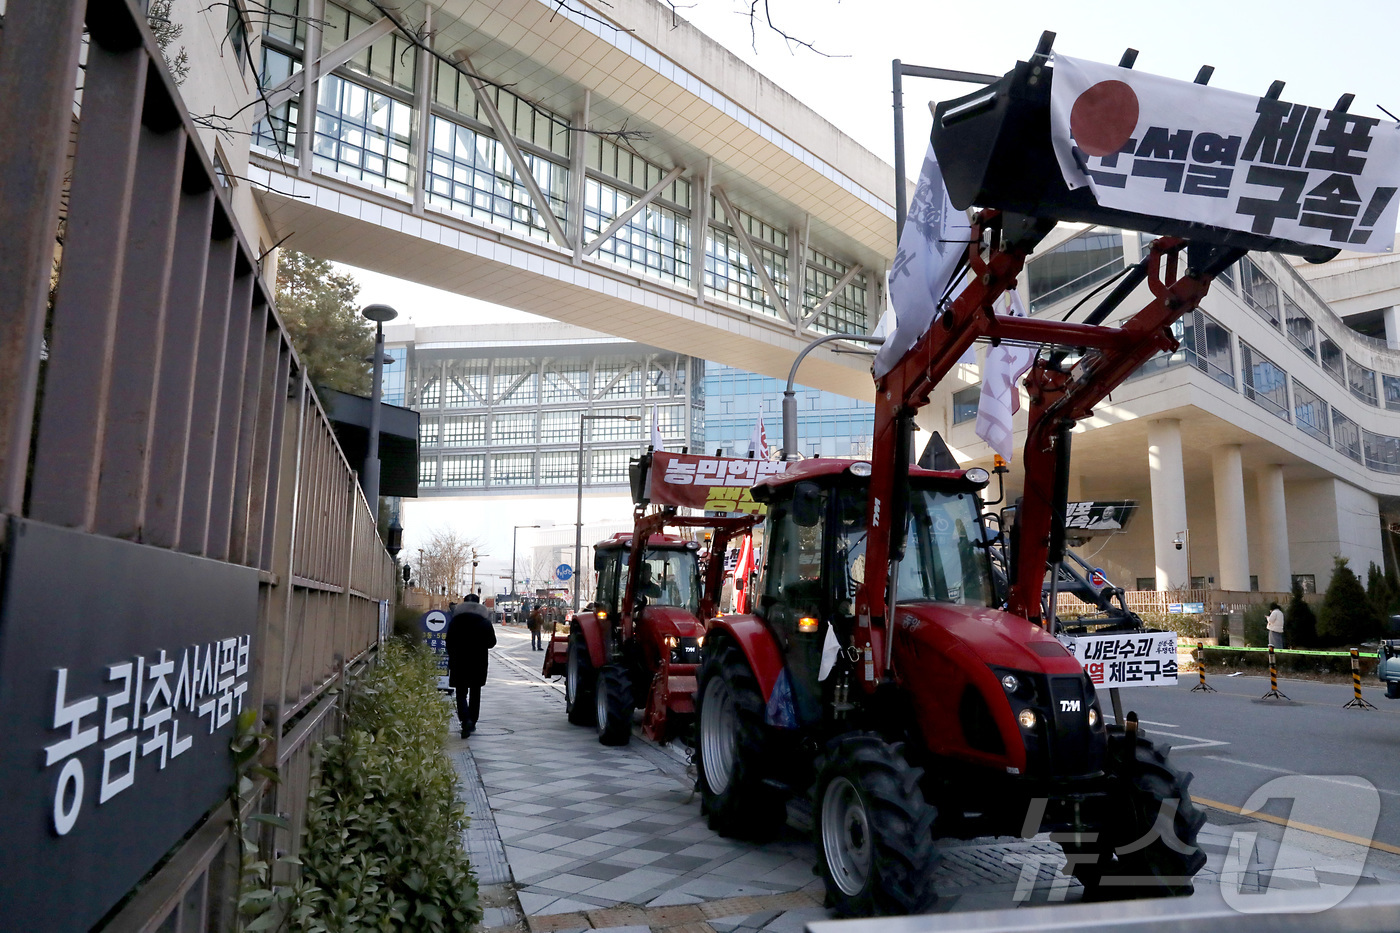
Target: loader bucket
993, 147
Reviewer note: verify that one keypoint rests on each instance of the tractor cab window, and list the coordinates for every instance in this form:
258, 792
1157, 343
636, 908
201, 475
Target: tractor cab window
794, 586
669, 577
610, 566
942, 561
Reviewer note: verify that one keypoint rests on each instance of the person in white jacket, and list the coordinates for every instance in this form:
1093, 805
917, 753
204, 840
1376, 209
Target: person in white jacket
1274, 623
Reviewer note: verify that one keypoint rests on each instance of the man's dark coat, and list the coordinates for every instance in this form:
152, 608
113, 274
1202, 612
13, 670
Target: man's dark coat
469, 635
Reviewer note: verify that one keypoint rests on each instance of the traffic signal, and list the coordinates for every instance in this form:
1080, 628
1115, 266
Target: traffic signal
407, 573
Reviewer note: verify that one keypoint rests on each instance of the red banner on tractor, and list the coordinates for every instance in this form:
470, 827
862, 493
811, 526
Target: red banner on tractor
714, 484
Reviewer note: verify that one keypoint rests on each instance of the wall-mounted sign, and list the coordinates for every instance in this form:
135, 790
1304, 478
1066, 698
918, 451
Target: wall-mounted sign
1105, 515
123, 669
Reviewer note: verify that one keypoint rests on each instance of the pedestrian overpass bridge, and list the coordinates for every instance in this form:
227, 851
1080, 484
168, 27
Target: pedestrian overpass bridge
603, 165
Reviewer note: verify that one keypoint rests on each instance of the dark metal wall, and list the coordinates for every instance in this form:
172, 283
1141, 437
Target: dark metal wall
182, 536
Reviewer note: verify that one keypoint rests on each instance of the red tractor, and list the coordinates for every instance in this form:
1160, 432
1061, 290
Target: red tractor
883, 679
639, 646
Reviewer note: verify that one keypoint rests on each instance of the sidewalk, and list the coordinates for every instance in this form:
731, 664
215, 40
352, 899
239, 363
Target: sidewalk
570, 835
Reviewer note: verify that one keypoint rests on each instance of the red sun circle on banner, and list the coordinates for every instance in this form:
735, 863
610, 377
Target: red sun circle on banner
1103, 117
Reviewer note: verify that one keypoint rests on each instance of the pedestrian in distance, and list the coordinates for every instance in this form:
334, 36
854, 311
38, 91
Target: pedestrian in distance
536, 628
470, 635
1274, 623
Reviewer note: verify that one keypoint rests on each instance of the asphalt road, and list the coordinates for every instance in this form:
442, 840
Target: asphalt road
1235, 742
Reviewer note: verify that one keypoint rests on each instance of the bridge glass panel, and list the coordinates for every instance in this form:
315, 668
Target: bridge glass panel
846, 314
464, 470
362, 134
513, 469
559, 427
558, 467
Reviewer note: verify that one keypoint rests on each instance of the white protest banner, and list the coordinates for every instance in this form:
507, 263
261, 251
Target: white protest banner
1169, 148
1127, 659
934, 240
1001, 396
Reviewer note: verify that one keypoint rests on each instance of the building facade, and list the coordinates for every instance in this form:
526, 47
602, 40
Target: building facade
1267, 444
828, 425
501, 406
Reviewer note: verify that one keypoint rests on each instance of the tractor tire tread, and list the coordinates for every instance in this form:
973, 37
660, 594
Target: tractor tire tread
617, 686
749, 808
581, 712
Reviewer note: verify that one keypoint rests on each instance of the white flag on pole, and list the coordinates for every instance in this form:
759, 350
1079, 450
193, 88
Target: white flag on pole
758, 440
1001, 396
657, 442
933, 242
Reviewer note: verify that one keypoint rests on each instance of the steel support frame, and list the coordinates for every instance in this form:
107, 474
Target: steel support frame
751, 251
324, 64
622, 218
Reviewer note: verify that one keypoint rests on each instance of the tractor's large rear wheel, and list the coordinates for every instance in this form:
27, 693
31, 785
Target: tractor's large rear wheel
614, 705
874, 830
1146, 845
733, 758
579, 682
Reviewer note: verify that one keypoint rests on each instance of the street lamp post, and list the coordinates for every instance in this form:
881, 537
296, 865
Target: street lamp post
370, 480
578, 523
512, 555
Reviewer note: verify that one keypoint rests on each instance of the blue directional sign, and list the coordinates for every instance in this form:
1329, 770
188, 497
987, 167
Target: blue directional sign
563, 572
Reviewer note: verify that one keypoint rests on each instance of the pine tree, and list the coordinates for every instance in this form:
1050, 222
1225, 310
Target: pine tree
1298, 620
1347, 616
317, 305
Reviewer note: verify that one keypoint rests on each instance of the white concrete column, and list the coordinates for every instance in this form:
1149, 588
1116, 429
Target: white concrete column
1392, 326
1276, 574
1231, 530
1168, 501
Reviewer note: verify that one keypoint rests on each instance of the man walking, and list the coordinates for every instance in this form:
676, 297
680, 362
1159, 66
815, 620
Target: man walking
536, 627
469, 635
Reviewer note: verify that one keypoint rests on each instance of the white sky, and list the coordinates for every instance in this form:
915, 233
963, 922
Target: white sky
1320, 49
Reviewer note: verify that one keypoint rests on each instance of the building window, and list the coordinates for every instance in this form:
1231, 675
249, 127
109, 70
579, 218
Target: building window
1259, 291
558, 467
965, 402
277, 130
428, 432
1204, 343
1390, 385
608, 466
1381, 452
559, 427
464, 431
654, 241
1264, 382
1330, 356
565, 382
846, 313
614, 428
513, 429
1362, 382
236, 34
671, 420
1346, 436
431, 394
1310, 413
1306, 582
464, 470
362, 134
730, 276
513, 469
394, 376
617, 379
1074, 265
471, 173
468, 383
1147, 584
1253, 583
427, 471
1300, 327
1227, 275
515, 382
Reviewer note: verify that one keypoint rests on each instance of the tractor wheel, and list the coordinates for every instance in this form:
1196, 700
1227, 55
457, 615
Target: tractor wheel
733, 760
1146, 845
874, 829
614, 705
579, 682
1392, 689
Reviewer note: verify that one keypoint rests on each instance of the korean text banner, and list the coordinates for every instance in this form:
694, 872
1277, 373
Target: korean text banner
1168, 148
1126, 659
715, 484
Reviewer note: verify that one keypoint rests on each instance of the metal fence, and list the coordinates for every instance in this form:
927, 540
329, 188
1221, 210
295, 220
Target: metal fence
182, 536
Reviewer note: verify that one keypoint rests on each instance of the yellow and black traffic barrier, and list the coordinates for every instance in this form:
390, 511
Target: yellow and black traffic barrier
1356, 701
1273, 680
1202, 687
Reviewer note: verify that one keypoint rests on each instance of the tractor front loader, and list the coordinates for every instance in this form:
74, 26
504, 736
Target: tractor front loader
884, 681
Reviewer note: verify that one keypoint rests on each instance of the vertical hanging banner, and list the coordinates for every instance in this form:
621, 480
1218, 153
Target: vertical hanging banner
1169, 148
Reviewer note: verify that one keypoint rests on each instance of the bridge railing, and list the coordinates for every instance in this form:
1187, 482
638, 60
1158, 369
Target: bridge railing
182, 536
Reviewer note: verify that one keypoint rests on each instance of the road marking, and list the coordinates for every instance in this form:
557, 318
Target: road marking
1196, 740
1164, 725
1330, 780
1304, 827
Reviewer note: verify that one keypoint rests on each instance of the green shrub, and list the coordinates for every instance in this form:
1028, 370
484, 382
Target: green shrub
406, 624
1256, 631
1299, 623
1347, 616
383, 846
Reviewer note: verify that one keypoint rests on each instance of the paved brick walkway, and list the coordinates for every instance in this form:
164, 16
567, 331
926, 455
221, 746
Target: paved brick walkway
574, 835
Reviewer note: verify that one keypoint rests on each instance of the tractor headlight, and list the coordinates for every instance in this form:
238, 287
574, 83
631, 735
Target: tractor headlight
700, 641
671, 641
1093, 718
1010, 684
1027, 718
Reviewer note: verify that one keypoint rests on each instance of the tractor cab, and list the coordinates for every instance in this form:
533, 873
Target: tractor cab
669, 575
